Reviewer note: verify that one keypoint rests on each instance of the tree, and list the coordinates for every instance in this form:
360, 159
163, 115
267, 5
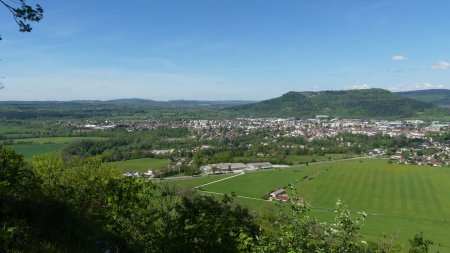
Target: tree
23, 13
419, 244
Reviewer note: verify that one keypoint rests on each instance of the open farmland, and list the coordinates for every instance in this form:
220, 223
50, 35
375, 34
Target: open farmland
56, 140
29, 147
30, 150
399, 199
191, 182
299, 159
141, 165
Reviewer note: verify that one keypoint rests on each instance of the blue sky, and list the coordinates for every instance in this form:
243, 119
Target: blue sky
224, 49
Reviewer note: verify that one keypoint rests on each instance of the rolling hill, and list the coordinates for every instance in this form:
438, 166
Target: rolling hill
439, 97
375, 103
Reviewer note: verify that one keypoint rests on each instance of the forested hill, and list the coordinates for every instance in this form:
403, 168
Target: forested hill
440, 97
376, 103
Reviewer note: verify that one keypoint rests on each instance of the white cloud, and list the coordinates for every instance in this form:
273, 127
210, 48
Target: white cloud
417, 86
443, 65
361, 86
399, 58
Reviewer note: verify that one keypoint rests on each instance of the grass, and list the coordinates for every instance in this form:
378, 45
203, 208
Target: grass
259, 184
191, 182
55, 140
14, 130
141, 165
399, 199
299, 159
30, 150
30, 147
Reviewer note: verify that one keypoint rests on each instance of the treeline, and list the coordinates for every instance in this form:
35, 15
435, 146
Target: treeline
74, 110
84, 206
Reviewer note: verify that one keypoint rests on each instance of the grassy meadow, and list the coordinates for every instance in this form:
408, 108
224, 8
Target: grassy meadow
141, 165
30, 150
191, 182
299, 159
399, 199
30, 147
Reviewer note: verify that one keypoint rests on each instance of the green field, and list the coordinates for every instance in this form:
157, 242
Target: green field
56, 140
30, 147
141, 165
14, 130
191, 182
399, 199
298, 159
30, 150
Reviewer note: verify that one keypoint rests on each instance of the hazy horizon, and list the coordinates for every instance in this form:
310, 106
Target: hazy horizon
183, 99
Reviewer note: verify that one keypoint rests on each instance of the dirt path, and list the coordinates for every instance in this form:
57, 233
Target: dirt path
240, 174
242, 197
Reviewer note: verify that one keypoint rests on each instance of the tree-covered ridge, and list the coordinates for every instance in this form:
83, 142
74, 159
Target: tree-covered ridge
440, 97
377, 103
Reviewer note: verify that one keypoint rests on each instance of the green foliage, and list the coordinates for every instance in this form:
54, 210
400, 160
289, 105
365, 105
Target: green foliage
16, 179
419, 244
434, 96
346, 229
83, 206
24, 13
205, 225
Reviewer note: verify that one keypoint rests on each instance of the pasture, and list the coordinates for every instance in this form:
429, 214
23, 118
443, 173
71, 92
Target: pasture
30, 147
399, 199
141, 165
191, 182
299, 159
30, 150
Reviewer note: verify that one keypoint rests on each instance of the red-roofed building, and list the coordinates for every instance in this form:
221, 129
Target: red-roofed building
280, 195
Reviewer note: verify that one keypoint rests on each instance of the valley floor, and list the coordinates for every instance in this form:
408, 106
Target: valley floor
400, 200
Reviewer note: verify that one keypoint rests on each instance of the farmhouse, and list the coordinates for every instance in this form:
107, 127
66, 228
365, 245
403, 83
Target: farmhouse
280, 195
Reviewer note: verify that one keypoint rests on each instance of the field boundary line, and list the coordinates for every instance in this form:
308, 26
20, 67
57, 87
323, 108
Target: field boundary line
243, 197
222, 179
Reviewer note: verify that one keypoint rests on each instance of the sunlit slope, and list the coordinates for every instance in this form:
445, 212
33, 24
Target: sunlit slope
381, 188
399, 199
368, 103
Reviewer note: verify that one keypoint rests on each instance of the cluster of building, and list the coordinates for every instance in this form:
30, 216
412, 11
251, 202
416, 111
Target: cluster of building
148, 174
320, 127
316, 128
435, 154
220, 168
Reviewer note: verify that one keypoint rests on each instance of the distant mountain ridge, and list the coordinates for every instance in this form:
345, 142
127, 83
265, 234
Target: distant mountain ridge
140, 101
440, 97
367, 103
377, 103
